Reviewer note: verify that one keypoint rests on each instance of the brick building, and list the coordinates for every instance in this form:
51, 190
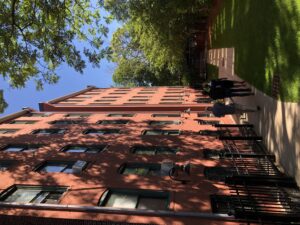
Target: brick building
147, 155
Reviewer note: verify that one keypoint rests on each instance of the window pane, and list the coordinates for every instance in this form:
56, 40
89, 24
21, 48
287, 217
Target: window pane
52, 197
76, 149
153, 132
119, 200
137, 171
144, 151
53, 168
13, 148
152, 203
22, 196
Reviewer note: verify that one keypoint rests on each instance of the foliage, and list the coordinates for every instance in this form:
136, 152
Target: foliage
38, 36
156, 31
3, 104
266, 39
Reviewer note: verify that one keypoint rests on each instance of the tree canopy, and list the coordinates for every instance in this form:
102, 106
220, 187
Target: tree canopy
156, 32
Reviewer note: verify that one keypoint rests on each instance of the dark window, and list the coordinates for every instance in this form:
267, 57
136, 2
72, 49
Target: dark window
62, 166
171, 99
138, 100
204, 100
78, 115
135, 199
170, 103
118, 93
21, 148
142, 169
105, 100
222, 204
208, 122
8, 131
65, 122
84, 148
154, 150
102, 131
166, 122
161, 132
49, 131
23, 121
205, 114
213, 154
166, 115
33, 194
120, 115
37, 114
6, 164
104, 122
112, 97
146, 92
72, 100
218, 173
213, 133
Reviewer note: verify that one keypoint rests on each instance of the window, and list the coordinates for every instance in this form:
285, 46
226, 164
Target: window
161, 132
146, 92
218, 173
213, 133
223, 204
120, 115
106, 122
62, 166
171, 99
38, 114
142, 169
102, 131
6, 164
49, 131
135, 199
167, 122
71, 100
141, 96
21, 148
166, 115
33, 194
118, 93
65, 122
154, 150
105, 100
213, 154
84, 148
78, 115
138, 100
208, 122
8, 131
205, 114
170, 102
111, 97
23, 121
204, 100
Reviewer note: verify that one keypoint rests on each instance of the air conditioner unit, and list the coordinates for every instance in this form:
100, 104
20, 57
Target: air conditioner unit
79, 166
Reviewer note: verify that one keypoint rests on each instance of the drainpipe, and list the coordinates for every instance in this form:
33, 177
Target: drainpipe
99, 209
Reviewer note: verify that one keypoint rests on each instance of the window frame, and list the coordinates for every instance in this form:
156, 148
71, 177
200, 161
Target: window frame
10, 190
154, 167
156, 150
22, 122
108, 123
69, 165
87, 131
164, 122
166, 115
25, 147
102, 148
104, 198
79, 115
163, 132
118, 115
36, 132
8, 131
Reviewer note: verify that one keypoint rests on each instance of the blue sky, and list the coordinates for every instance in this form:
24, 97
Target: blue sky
69, 82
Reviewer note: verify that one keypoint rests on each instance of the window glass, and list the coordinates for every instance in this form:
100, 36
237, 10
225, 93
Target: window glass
141, 169
86, 149
166, 115
23, 122
102, 131
5, 164
135, 199
205, 114
66, 122
78, 115
161, 132
33, 194
55, 167
104, 122
38, 114
21, 148
49, 131
208, 122
120, 115
154, 123
8, 131
154, 150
